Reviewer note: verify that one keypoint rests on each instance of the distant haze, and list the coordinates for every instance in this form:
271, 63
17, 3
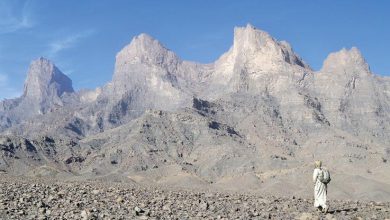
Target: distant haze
255, 119
82, 38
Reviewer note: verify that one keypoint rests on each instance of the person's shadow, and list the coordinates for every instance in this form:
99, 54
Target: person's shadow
341, 210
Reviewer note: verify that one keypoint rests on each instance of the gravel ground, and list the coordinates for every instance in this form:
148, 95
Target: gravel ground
22, 198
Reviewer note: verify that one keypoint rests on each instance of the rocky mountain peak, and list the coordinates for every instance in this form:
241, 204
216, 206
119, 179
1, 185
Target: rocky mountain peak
346, 61
145, 49
144, 58
259, 50
250, 38
145, 40
146, 44
44, 79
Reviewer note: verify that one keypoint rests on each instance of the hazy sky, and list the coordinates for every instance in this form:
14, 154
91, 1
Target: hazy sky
82, 36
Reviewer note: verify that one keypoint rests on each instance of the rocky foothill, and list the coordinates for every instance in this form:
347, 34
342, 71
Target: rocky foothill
47, 199
258, 115
254, 120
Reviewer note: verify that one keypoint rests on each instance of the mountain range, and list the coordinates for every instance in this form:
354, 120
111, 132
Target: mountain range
255, 119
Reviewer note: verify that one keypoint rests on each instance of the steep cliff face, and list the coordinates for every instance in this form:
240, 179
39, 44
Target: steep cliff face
353, 98
144, 63
149, 76
256, 50
254, 58
145, 77
44, 88
45, 81
259, 65
346, 61
257, 111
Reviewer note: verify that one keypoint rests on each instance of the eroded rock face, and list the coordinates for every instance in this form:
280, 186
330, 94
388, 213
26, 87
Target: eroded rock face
345, 61
44, 89
255, 117
352, 97
258, 51
144, 63
45, 81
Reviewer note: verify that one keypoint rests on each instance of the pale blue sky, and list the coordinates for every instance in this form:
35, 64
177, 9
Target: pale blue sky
82, 37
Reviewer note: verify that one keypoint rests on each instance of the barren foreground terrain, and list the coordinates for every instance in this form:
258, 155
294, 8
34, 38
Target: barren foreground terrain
38, 199
253, 121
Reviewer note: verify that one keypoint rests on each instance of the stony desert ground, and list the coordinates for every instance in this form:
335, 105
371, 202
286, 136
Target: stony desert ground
253, 121
22, 198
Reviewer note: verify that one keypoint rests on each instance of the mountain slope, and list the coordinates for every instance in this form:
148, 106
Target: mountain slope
256, 118
44, 89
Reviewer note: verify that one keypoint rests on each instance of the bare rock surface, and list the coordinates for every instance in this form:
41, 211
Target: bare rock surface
49, 199
44, 91
254, 120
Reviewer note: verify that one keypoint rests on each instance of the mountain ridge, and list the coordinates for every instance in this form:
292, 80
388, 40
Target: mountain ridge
258, 115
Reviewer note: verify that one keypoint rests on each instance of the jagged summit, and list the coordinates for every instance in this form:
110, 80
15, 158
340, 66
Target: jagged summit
45, 80
345, 61
259, 51
145, 49
144, 43
143, 52
138, 63
251, 38
233, 124
145, 40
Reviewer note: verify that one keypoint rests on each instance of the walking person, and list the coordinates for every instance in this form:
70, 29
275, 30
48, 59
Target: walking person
321, 178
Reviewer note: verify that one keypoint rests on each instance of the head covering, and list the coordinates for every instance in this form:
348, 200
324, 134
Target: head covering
317, 164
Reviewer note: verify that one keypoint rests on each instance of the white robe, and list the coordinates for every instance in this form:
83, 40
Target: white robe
320, 190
